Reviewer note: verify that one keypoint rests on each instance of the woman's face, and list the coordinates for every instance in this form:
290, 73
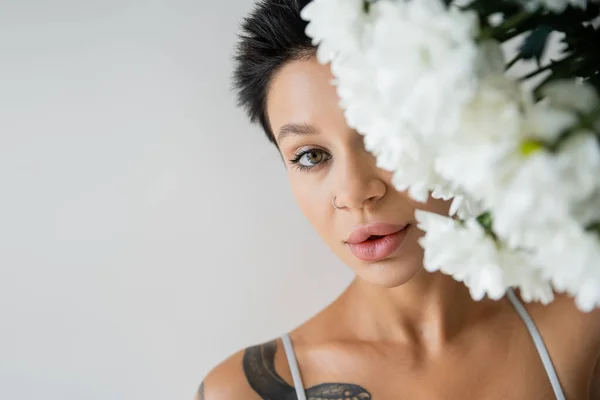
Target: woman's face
327, 159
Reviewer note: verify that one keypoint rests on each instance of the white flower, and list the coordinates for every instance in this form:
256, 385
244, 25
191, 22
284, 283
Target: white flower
335, 26
491, 62
587, 297
462, 206
539, 200
423, 56
489, 131
571, 260
529, 191
395, 91
436, 108
541, 192
463, 253
466, 253
556, 6
495, 19
570, 95
398, 92
587, 210
537, 193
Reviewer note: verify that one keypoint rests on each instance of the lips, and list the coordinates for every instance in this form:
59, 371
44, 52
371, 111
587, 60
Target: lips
376, 242
361, 234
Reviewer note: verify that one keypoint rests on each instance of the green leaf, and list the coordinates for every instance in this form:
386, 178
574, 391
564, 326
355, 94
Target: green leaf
485, 220
594, 227
366, 6
535, 43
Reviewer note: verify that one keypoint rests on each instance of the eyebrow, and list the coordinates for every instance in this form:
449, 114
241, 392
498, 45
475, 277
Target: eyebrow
295, 129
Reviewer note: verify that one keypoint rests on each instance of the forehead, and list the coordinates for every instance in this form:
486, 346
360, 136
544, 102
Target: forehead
302, 93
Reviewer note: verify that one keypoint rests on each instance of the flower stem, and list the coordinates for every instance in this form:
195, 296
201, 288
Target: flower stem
513, 61
506, 26
551, 66
515, 20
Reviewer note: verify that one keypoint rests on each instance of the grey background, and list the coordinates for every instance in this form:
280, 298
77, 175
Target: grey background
146, 229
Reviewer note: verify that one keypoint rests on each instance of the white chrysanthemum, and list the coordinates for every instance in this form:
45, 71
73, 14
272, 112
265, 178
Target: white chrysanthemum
423, 56
465, 252
587, 211
395, 91
335, 26
571, 260
489, 131
489, 127
390, 89
436, 108
569, 95
538, 192
462, 252
400, 93
463, 206
556, 6
528, 191
587, 296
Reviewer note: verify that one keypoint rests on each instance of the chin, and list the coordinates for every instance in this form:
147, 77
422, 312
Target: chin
392, 272
388, 273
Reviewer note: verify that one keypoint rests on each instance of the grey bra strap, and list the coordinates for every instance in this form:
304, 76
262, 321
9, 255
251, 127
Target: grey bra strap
291, 357
539, 344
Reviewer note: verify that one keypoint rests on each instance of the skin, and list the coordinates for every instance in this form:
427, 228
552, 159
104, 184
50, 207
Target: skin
397, 332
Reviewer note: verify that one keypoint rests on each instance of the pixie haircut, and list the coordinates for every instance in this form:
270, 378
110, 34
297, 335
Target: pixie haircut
271, 36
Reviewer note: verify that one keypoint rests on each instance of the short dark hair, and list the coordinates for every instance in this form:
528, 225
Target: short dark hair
271, 36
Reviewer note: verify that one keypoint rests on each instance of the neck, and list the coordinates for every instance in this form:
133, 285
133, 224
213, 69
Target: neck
429, 310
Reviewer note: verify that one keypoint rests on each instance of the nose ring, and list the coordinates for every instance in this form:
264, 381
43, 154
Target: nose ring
333, 203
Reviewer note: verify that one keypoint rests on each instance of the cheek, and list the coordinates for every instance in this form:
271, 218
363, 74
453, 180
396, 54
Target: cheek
314, 204
437, 206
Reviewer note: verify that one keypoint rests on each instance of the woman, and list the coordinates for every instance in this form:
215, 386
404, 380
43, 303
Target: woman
397, 332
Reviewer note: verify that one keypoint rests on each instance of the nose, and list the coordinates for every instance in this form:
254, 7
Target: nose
360, 182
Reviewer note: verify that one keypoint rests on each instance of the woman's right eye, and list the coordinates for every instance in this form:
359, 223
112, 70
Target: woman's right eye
310, 158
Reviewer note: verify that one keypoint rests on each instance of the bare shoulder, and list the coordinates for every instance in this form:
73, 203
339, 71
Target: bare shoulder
568, 330
565, 317
572, 338
257, 372
262, 371
226, 381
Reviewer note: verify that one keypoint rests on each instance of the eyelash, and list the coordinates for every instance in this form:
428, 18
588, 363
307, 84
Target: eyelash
300, 154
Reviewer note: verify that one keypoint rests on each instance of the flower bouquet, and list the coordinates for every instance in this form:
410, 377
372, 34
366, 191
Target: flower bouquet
431, 86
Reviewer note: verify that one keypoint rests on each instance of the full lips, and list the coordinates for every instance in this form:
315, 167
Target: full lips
378, 249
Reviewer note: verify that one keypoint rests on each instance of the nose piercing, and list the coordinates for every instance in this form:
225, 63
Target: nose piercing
333, 203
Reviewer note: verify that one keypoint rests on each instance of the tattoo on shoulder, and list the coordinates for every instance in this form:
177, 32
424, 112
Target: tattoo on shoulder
259, 368
201, 392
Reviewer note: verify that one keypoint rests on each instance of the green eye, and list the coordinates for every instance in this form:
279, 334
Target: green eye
310, 158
